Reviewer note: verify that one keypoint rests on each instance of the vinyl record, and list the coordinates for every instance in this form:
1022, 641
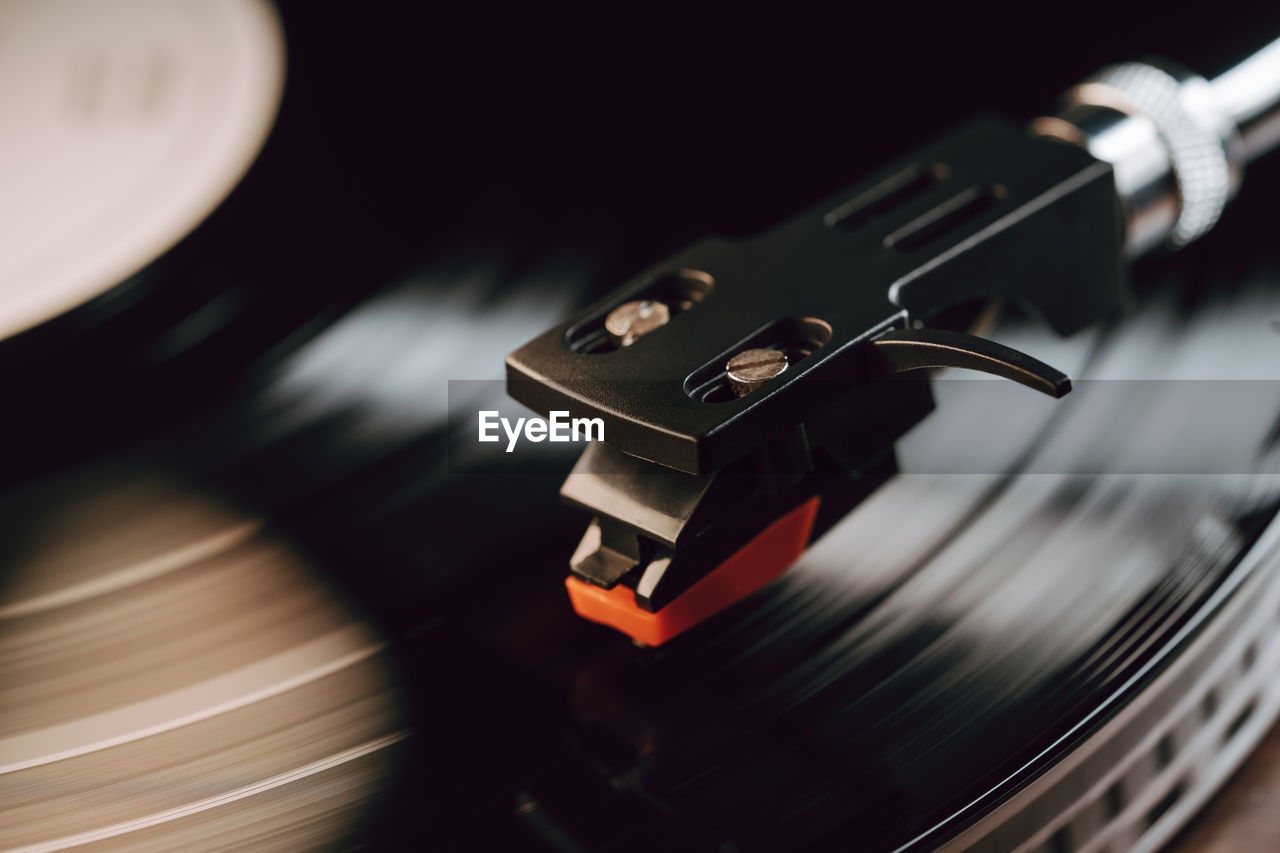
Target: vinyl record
258, 589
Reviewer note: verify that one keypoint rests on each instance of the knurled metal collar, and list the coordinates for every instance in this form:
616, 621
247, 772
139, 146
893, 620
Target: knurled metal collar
1201, 141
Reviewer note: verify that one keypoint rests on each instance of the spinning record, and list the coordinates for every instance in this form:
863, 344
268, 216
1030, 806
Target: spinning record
1056, 636
173, 672
260, 587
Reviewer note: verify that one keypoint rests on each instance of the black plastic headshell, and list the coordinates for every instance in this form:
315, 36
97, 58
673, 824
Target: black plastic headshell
748, 389
985, 212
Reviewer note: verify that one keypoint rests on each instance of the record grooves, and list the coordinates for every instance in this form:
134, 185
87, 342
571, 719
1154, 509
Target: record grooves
261, 589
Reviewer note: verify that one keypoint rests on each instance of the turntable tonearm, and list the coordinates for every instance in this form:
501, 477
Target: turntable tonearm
744, 385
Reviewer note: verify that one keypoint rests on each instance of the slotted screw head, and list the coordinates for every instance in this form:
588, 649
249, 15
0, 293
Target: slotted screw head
631, 321
750, 369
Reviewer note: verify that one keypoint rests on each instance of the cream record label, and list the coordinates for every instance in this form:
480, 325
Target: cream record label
126, 123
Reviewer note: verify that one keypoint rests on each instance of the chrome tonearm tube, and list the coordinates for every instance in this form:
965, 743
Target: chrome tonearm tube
1178, 142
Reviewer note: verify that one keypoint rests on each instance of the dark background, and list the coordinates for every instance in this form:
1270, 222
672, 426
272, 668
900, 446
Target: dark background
644, 128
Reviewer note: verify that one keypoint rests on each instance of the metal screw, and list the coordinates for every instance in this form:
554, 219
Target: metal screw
631, 321
750, 369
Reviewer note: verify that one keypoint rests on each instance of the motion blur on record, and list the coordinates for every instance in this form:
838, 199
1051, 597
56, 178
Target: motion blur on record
451, 428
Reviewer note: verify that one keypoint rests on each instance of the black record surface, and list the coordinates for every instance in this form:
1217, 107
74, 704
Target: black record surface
944, 644
973, 620
926, 658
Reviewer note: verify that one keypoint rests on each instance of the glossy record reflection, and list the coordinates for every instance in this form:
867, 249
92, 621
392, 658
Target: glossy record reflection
173, 674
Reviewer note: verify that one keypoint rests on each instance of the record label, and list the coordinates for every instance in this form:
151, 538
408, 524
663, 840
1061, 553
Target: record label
126, 124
